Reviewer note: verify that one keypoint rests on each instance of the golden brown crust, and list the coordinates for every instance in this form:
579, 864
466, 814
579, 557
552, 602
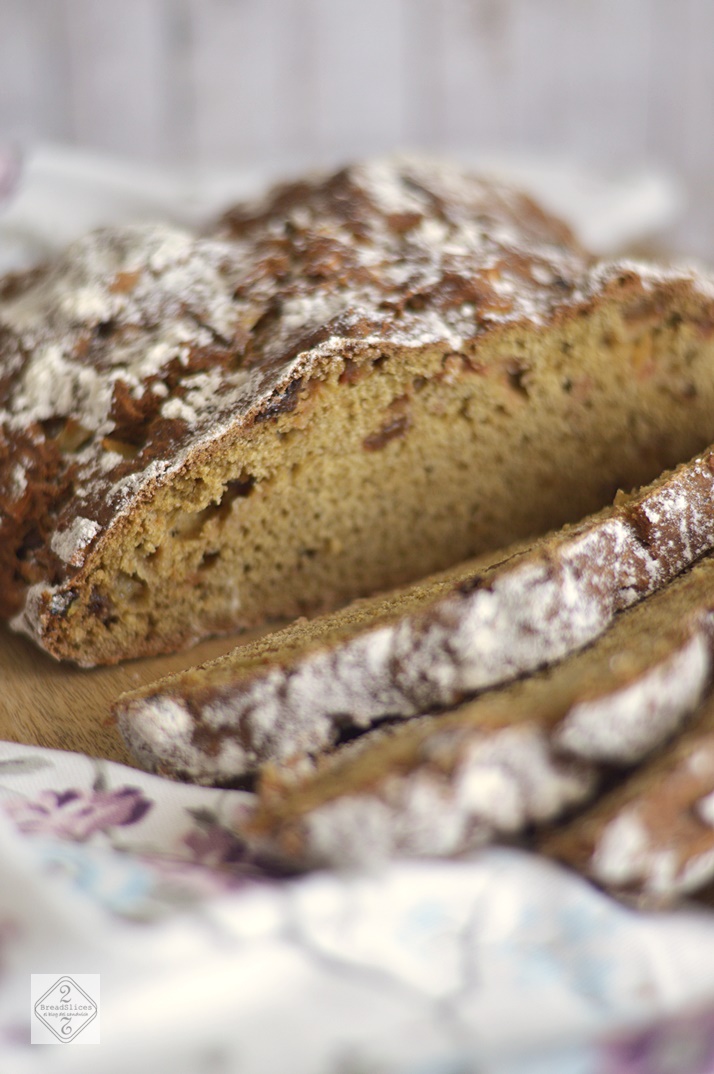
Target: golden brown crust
320, 265
143, 357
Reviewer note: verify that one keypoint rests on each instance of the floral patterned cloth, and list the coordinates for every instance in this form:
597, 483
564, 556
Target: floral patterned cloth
500, 963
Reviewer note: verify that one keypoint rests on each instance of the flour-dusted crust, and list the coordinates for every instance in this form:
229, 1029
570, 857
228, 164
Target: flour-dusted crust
651, 840
357, 381
496, 766
138, 351
298, 691
115, 364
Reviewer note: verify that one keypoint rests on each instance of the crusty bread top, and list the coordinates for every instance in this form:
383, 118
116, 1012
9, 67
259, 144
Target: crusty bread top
140, 347
400, 251
109, 354
139, 344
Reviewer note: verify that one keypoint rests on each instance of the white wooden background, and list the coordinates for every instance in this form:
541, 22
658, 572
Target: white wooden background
614, 83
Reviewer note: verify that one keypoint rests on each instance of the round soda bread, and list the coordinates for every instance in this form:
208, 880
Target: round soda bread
358, 381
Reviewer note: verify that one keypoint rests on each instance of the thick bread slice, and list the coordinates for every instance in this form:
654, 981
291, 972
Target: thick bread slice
358, 382
651, 840
439, 785
426, 647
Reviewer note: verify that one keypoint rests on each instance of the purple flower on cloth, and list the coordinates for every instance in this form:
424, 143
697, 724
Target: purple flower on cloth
178, 881
15, 1034
220, 846
214, 846
74, 814
679, 1045
208, 860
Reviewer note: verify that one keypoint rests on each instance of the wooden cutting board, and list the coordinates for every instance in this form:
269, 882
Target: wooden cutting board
46, 703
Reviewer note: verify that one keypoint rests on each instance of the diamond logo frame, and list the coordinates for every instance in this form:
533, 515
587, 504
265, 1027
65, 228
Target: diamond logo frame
66, 1008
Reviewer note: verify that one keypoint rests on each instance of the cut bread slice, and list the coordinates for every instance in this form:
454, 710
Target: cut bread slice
651, 840
358, 382
522, 756
301, 689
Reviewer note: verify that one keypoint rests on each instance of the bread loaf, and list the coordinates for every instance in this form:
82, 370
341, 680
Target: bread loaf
361, 380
